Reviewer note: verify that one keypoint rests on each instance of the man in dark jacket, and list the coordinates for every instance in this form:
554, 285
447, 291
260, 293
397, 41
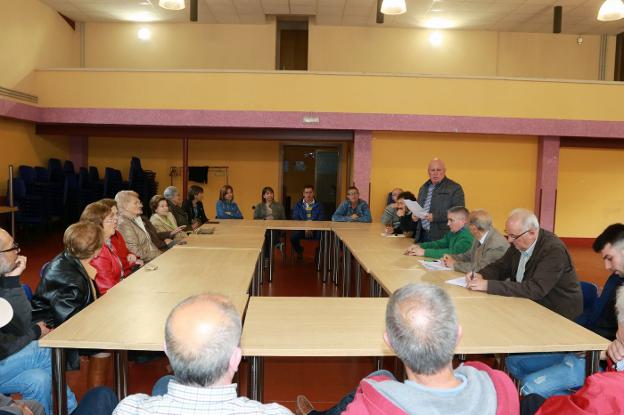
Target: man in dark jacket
537, 266
306, 209
436, 196
25, 368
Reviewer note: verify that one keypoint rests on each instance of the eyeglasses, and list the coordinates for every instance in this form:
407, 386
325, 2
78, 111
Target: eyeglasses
15, 247
514, 237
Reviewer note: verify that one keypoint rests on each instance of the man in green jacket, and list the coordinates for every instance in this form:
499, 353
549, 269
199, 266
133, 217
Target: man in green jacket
457, 241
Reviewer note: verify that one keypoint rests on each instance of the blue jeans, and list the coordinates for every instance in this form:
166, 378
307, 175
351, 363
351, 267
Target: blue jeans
97, 401
29, 372
547, 374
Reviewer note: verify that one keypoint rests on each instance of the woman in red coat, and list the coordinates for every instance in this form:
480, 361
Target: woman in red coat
129, 261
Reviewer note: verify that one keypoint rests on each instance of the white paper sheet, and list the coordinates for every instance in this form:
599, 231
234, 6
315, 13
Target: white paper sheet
433, 265
460, 282
415, 208
391, 235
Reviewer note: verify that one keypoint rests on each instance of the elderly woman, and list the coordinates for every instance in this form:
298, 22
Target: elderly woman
68, 286
129, 261
108, 263
135, 228
163, 220
194, 207
174, 201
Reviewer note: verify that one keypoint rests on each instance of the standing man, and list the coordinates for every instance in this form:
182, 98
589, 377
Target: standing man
353, 209
306, 209
537, 266
436, 196
488, 246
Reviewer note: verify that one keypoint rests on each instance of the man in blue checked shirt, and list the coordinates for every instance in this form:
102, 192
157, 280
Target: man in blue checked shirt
353, 209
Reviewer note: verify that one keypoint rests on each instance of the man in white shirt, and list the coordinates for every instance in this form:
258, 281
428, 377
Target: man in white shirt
202, 336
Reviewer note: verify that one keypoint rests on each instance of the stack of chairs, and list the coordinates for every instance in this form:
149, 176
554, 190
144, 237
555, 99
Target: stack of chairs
113, 183
143, 182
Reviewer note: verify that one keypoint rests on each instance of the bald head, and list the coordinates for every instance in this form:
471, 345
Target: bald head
436, 170
7, 259
201, 335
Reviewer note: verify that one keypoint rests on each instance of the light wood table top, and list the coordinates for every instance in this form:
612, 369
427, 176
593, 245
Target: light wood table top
306, 326
299, 225
8, 209
124, 321
393, 279
196, 270
222, 239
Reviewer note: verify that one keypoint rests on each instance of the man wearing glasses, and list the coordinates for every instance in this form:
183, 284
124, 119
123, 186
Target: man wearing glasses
537, 266
25, 368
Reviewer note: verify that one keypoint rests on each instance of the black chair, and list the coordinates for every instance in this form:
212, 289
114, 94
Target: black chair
56, 171
31, 207
42, 174
88, 191
68, 167
113, 182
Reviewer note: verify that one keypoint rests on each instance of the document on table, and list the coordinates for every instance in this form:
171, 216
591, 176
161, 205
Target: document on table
434, 265
391, 235
415, 208
460, 282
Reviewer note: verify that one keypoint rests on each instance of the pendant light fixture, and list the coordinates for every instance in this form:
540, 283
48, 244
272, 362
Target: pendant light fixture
611, 10
393, 7
171, 4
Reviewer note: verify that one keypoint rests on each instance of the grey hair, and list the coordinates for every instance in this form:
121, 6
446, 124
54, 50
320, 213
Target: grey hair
5, 264
619, 304
170, 192
480, 219
526, 217
204, 365
123, 198
422, 327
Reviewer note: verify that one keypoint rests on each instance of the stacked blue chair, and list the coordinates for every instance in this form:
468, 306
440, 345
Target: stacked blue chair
31, 207
94, 178
113, 182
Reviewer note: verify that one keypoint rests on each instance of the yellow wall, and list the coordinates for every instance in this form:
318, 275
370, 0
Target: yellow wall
590, 192
33, 36
312, 92
180, 46
481, 53
20, 145
496, 172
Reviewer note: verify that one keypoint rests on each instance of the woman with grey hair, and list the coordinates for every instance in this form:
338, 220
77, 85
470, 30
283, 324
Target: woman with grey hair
174, 201
132, 226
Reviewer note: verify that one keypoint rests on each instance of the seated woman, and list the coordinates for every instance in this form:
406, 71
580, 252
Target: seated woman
129, 261
68, 286
390, 219
163, 220
353, 209
108, 264
226, 206
134, 228
194, 207
174, 201
269, 209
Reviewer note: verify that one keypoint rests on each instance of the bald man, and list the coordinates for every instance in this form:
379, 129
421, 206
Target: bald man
202, 336
25, 367
437, 195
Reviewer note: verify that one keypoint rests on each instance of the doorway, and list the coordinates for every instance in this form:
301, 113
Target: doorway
316, 165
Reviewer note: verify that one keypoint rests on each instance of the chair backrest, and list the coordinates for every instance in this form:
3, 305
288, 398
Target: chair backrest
94, 174
27, 291
56, 170
68, 167
591, 315
27, 173
590, 294
19, 188
83, 178
389, 199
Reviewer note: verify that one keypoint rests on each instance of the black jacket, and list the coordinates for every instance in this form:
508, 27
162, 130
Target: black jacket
20, 331
190, 212
64, 290
180, 215
447, 194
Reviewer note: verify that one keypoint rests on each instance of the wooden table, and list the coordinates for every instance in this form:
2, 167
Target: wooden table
125, 320
11, 210
307, 327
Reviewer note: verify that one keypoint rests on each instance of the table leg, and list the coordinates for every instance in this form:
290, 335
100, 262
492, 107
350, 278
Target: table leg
256, 378
261, 268
346, 280
258, 278
326, 255
59, 383
358, 280
121, 373
320, 253
592, 362
271, 256
378, 363
336, 268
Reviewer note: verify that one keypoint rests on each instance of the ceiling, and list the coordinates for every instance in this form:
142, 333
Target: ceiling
579, 16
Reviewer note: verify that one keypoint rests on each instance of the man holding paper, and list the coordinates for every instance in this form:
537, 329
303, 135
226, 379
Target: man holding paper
436, 196
457, 241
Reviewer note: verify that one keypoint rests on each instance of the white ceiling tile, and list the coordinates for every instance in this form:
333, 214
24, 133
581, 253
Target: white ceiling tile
354, 20
275, 6
328, 20
252, 18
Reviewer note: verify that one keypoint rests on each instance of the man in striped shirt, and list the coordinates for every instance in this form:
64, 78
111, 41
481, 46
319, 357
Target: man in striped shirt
202, 337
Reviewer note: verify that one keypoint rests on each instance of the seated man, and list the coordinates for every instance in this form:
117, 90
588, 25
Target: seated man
537, 266
457, 241
422, 329
353, 209
202, 335
390, 219
25, 368
488, 245
550, 374
306, 209
407, 225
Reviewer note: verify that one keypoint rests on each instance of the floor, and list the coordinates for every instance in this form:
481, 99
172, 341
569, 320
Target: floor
323, 380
